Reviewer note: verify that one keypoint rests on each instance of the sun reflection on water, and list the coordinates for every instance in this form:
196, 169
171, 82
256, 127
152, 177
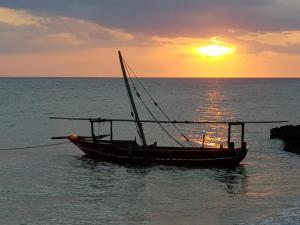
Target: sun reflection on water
214, 109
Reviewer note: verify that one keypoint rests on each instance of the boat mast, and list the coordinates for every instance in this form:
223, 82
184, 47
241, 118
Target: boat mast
136, 115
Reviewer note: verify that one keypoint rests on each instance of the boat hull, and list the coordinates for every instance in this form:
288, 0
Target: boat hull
128, 152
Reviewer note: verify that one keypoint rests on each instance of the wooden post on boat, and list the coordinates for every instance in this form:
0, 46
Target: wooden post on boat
243, 143
229, 135
136, 115
92, 130
203, 141
111, 131
243, 133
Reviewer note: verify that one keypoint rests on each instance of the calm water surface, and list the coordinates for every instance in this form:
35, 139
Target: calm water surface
56, 185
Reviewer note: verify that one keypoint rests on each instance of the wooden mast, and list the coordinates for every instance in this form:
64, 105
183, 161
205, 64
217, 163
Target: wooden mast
136, 115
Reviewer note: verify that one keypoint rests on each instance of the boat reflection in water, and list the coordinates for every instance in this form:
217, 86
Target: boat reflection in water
101, 174
235, 179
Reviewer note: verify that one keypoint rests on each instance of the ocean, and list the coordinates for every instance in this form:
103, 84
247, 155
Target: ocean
57, 185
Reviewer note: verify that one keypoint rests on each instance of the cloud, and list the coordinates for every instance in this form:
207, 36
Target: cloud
22, 31
274, 38
254, 48
18, 18
175, 17
287, 42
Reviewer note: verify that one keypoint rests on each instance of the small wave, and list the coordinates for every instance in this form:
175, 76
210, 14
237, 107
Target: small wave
290, 216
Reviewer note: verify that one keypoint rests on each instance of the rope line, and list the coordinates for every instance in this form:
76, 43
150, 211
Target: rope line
149, 111
36, 146
156, 104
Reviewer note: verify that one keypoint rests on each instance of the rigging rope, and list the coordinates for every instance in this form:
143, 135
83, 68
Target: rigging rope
149, 111
36, 146
156, 104
129, 69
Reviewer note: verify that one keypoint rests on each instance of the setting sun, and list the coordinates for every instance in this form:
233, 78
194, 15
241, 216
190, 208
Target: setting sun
215, 50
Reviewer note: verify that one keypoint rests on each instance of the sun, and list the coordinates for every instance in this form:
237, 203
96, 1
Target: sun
215, 50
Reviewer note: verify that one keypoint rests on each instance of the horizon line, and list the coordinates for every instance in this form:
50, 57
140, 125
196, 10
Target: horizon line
153, 77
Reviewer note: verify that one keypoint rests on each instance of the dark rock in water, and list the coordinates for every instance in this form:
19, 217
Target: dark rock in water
290, 135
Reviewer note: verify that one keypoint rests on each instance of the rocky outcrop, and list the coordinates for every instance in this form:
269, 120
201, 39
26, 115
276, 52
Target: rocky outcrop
290, 135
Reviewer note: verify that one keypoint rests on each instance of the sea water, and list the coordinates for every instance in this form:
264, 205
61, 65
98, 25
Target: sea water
57, 185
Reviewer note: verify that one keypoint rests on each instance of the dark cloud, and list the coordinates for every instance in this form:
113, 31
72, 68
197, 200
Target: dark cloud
175, 17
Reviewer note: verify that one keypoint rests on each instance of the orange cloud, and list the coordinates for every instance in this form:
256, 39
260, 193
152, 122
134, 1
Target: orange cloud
22, 31
18, 17
274, 38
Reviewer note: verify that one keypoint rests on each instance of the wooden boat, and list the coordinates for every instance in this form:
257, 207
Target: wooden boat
130, 152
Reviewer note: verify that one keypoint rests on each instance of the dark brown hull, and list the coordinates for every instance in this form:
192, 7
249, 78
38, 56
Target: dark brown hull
126, 152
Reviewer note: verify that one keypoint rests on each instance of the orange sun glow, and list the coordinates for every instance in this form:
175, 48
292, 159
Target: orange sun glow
215, 50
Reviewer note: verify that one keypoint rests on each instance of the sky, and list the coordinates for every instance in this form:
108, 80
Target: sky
158, 38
